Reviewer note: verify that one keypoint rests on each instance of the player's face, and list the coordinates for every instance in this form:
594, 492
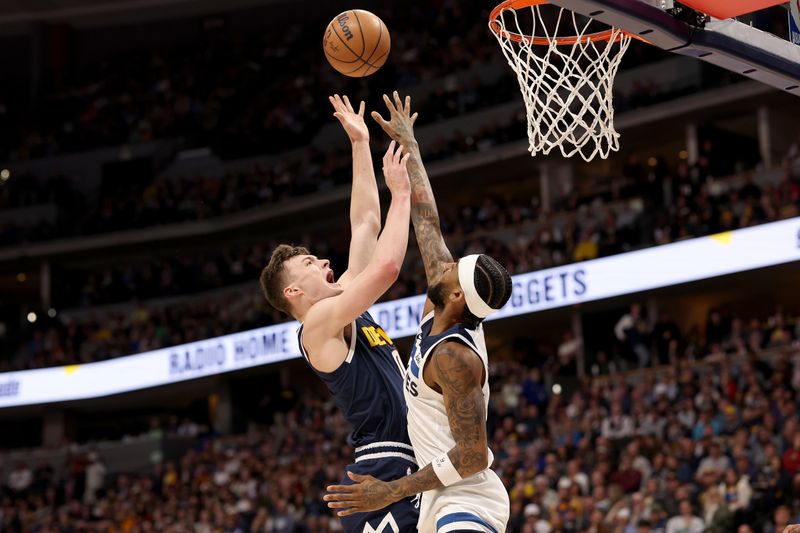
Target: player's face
312, 276
447, 288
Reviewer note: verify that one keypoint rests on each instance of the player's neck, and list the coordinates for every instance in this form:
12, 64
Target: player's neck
301, 312
442, 321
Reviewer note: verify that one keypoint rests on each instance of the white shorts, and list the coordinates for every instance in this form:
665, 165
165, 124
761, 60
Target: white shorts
478, 503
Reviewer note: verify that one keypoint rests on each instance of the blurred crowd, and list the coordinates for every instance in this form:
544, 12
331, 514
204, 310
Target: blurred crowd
160, 201
251, 93
646, 206
237, 93
229, 95
711, 447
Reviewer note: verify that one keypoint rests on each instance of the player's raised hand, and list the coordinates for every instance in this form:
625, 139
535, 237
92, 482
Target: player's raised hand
395, 171
352, 122
400, 125
364, 495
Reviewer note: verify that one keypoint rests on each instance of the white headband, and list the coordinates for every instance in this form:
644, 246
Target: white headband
466, 277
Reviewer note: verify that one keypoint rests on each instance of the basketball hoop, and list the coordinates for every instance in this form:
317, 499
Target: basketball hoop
566, 74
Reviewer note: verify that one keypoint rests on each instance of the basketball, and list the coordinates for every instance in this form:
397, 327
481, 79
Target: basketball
356, 43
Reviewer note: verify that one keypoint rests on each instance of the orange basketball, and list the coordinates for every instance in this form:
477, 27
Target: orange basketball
356, 43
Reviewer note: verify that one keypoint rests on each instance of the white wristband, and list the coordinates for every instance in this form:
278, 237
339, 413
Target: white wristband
445, 471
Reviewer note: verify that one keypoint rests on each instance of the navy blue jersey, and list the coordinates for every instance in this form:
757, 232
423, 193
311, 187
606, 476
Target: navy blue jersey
368, 389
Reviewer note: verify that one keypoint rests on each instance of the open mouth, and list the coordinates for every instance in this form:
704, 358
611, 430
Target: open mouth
330, 277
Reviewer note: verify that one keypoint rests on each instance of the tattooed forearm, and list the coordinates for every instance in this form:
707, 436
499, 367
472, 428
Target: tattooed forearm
416, 483
459, 374
425, 217
431, 245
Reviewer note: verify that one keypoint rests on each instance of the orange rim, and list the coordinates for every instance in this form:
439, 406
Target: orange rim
605, 35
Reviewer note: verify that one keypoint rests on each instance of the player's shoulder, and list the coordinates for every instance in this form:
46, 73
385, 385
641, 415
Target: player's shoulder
317, 324
325, 347
453, 352
458, 368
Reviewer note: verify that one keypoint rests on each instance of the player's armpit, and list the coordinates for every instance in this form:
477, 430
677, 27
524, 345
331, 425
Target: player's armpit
459, 373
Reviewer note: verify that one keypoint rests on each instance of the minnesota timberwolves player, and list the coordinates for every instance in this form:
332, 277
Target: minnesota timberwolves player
345, 347
446, 385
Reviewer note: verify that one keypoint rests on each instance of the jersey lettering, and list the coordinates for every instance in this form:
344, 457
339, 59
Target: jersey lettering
376, 336
411, 387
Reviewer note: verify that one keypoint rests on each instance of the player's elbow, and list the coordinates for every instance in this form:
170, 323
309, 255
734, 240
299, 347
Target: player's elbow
473, 460
367, 224
483, 460
388, 271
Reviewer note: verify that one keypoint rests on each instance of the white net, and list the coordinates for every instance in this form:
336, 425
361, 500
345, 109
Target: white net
566, 82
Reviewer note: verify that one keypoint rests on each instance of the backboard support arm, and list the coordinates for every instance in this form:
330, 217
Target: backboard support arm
726, 43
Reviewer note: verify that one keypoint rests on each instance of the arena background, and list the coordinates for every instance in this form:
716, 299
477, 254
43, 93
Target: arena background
154, 153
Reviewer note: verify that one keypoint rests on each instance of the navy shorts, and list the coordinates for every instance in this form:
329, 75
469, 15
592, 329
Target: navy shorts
399, 517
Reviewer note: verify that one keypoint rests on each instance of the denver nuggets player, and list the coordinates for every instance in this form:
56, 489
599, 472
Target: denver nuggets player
446, 385
345, 347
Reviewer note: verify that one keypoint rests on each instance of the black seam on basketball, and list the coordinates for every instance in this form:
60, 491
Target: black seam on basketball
379, 58
352, 73
351, 50
357, 60
378, 42
367, 72
329, 56
349, 72
361, 31
362, 65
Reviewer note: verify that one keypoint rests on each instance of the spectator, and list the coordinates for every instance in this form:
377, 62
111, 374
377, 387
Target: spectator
20, 479
791, 457
533, 517
686, 521
568, 352
714, 464
626, 476
781, 519
736, 491
95, 478
631, 330
716, 512
534, 390
666, 336
618, 425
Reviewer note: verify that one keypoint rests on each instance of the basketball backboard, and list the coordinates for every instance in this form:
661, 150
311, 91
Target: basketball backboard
704, 29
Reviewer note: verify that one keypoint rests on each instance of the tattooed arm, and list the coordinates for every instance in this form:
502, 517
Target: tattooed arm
458, 374
424, 213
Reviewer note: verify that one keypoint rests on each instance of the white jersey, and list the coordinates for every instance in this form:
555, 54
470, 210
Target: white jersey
479, 502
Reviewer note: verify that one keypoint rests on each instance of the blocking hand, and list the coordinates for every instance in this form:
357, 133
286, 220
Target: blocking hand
400, 125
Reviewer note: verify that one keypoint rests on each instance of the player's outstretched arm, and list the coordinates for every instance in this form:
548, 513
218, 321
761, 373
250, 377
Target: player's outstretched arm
458, 372
326, 319
424, 213
365, 209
